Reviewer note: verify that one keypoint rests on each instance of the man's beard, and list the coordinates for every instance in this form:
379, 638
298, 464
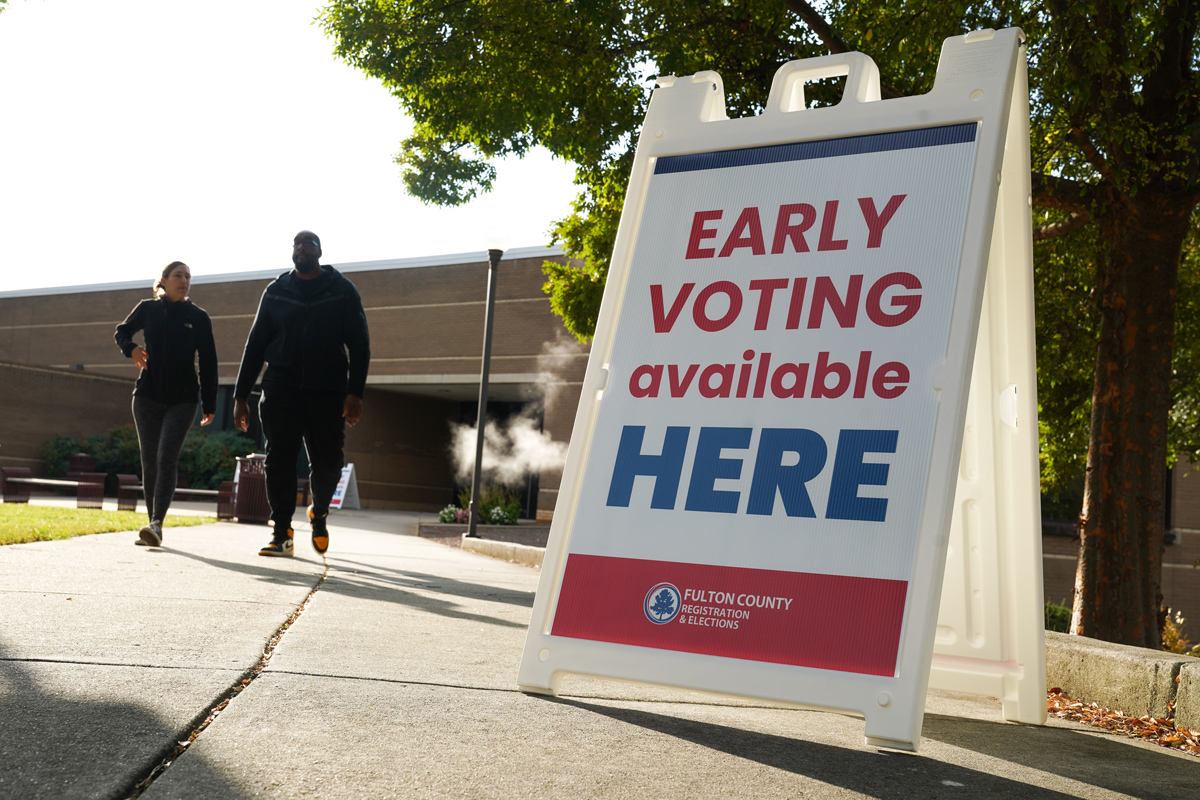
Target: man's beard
305, 267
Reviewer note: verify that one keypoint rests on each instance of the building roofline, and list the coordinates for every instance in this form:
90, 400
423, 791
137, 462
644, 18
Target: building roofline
447, 259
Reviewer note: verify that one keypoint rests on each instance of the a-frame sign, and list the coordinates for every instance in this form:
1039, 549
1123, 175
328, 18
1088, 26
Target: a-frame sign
761, 484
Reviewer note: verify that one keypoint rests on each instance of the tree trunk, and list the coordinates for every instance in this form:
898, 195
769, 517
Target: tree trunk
1118, 583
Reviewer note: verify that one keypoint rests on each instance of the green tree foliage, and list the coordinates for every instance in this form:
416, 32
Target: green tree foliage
1066, 321
1067, 327
1114, 121
484, 80
1184, 432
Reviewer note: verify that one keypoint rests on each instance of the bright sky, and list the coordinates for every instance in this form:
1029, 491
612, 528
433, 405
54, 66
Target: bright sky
138, 132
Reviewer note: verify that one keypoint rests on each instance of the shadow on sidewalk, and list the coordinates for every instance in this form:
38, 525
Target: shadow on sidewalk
382, 584
882, 773
59, 744
261, 569
1099, 759
420, 580
418, 590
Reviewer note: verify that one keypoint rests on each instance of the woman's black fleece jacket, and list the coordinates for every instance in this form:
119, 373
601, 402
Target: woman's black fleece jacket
303, 330
174, 334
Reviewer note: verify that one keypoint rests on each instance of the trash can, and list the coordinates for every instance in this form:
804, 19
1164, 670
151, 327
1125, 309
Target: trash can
251, 505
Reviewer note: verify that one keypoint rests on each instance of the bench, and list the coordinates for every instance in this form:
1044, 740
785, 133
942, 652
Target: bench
247, 506
128, 489
17, 482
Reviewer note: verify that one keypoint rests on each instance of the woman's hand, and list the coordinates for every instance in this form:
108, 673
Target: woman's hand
139, 356
207, 419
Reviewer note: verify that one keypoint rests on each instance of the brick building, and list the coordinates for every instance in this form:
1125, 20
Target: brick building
426, 321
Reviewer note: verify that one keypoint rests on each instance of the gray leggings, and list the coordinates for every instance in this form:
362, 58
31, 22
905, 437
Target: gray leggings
161, 429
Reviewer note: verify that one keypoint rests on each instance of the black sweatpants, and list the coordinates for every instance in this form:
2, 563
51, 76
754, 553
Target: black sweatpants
289, 419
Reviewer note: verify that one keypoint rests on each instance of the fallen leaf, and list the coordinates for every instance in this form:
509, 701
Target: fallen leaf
1160, 731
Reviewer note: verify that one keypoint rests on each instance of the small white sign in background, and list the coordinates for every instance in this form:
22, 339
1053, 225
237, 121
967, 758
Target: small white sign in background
346, 493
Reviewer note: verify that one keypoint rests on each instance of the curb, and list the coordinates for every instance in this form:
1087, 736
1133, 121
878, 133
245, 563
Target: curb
508, 551
1187, 697
1134, 680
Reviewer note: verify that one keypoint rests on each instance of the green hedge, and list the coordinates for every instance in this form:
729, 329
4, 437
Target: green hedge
1058, 617
209, 458
206, 460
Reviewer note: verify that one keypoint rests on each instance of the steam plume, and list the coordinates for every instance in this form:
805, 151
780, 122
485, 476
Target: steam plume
510, 450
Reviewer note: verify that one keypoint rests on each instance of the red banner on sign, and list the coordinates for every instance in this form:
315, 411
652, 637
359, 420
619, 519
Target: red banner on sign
834, 622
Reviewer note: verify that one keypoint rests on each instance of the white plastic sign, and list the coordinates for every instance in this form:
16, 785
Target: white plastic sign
346, 493
989, 636
760, 481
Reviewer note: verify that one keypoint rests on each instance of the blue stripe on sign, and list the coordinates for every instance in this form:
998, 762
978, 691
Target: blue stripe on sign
823, 148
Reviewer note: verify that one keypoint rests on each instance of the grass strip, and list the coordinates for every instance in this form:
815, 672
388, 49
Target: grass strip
20, 522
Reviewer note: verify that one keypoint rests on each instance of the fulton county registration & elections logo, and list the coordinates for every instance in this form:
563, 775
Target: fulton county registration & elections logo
662, 603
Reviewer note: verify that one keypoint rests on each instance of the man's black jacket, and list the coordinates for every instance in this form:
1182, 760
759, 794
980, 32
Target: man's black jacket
174, 334
303, 330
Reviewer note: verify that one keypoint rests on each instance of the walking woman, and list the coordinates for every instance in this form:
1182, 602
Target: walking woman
165, 399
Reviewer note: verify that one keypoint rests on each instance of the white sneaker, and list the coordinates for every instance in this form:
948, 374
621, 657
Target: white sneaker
281, 544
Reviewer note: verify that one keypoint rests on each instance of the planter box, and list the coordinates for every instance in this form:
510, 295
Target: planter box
531, 534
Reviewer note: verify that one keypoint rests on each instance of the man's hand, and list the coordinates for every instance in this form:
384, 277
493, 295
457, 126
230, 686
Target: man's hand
241, 414
207, 419
139, 357
352, 410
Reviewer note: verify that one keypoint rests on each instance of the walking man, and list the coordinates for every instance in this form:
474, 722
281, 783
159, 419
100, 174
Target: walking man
307, 320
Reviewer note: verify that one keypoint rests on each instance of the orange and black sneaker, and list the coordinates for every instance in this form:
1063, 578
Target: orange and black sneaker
320, 530
281, 544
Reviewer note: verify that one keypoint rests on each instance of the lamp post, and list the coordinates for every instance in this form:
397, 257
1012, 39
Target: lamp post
495, 245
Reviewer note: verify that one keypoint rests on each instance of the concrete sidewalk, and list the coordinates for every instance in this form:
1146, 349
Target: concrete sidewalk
398, 680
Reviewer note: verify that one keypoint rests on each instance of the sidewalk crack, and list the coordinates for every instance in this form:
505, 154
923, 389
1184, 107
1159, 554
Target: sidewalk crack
206, 717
